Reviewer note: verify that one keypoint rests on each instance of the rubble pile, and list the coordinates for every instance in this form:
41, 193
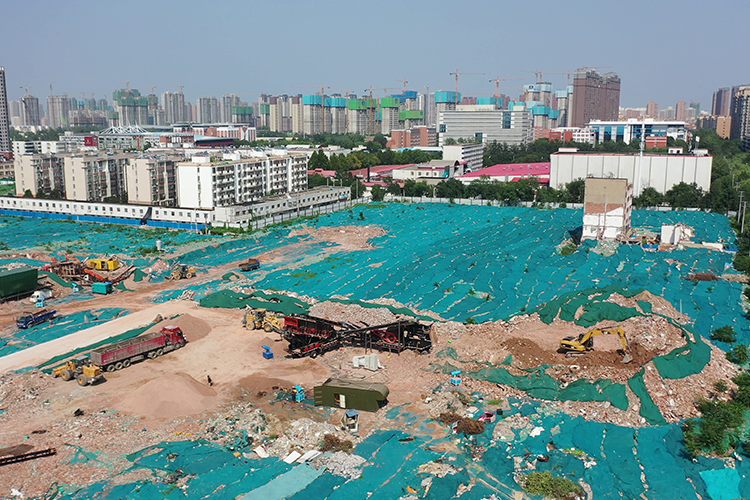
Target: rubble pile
301, 435
341, 464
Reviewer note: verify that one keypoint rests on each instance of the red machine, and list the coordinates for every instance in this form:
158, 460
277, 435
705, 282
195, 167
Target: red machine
122, 354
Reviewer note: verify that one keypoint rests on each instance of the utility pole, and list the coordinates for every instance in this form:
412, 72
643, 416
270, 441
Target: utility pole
744, 207
640, 159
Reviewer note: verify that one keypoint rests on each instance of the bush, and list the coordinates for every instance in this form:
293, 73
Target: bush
724, 334
720, 386
739, 354
470, 321
716, 430
544, 483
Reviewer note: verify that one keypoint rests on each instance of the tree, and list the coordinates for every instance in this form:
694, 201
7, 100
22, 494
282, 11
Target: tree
575, 190
378, 193
724, 334
685, 195
318, 160
452, 188
380, 139
739, 354
27, 194
650, 197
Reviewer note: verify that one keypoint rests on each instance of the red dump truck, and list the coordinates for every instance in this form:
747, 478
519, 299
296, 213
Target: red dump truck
122, 354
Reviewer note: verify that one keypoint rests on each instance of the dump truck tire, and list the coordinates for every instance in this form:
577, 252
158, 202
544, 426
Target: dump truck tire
118, 365
179, 344
126, 363
83, 380
159, 351
111, 368
67, 375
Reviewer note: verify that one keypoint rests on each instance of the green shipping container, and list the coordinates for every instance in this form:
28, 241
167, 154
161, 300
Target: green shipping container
17, 281
351, 394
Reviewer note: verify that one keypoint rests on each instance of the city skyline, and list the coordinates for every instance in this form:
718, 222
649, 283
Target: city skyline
328, 43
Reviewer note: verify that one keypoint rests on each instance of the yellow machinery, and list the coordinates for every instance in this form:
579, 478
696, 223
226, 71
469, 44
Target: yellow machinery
182, 272
104, 264
585, 342
80, 369
259, 318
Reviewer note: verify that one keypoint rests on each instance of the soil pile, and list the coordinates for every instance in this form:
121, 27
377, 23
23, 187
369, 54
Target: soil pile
170, 396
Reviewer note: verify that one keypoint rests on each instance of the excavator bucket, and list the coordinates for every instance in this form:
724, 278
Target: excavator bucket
627, 358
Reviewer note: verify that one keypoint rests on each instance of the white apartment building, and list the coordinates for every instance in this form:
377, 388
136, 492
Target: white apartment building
152, 180
483, 123
38, 173
207, 182
93, 177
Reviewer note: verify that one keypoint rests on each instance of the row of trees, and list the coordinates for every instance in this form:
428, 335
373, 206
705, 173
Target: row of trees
343, 164
346, 141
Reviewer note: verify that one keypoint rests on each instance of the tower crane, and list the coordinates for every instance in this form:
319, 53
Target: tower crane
456, 75
497, 88
402, 81
372, 114
178, 85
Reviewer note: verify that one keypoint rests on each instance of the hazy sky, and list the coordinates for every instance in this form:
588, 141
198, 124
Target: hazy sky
663, 50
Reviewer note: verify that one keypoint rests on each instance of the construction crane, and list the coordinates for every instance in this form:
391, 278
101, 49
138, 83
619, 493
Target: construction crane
402, 81
323, 88
456, 75
497, 88
372, 113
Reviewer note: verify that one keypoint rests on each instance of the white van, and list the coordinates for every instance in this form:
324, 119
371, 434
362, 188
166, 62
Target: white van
40, 294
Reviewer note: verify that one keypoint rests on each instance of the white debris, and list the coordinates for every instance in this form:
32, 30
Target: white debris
536, 431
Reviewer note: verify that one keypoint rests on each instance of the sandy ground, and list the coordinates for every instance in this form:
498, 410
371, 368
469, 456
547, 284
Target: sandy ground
169, 398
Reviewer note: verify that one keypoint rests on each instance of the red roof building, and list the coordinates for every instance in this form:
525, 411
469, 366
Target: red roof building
510, 172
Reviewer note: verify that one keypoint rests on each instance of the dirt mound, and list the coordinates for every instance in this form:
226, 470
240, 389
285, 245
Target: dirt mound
193, 328
170, 396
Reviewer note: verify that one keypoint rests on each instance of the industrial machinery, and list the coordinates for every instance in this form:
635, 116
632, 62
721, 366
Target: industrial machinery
259, 318
182, 271
81, 369
585, 342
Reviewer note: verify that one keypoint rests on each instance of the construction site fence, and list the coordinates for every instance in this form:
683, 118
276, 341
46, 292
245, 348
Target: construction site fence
261, 222
501, 203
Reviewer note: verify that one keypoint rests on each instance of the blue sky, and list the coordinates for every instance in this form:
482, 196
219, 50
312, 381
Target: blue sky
663, 50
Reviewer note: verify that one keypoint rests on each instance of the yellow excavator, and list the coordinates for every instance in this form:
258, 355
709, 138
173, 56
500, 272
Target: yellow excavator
81, 369
585, 342
259, 318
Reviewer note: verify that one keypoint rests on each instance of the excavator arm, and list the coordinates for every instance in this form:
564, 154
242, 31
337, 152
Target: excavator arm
585, 342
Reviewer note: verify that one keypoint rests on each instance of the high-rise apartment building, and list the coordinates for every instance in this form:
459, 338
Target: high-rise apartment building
652, 110
207, 110
58, 111
680, 110
5, 145
131, 108
721, 102
228, 101
32, 115
740, 112
595, 97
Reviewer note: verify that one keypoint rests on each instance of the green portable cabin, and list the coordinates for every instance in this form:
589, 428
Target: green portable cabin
351, 394
18, 281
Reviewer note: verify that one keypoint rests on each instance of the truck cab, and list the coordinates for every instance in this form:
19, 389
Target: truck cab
174, 335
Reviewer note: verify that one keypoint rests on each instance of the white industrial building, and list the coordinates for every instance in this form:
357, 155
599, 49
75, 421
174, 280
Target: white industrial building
207, 183
607, 209
659, 171
485, 124
472, 154
630, 130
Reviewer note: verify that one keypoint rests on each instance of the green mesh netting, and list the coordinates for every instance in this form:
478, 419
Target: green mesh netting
592, 302
229, 299
648, 410
687, 360
540, 385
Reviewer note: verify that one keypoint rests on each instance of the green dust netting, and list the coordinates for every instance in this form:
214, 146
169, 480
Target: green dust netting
648, 410
540, 385
491, 263
591, 302
273, 302
616, 462
60, 327
687, 360
57, 279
